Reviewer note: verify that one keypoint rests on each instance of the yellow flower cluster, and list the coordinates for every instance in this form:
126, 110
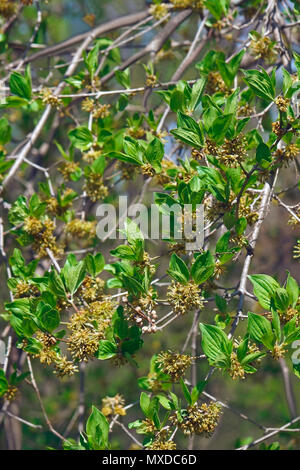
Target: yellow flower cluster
25, 289
7, 8
199, 420
95, 188
282, 103
159, 11
216, 84
236, 370
96, 109
184, 297
42, 232
279, 351
82, 229
230, 153
263, 48
173, 364
88, 327
113, 406
49, 98
195, 4
91, 289
67, 169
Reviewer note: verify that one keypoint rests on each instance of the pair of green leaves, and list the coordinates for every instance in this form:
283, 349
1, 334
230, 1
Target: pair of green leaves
69, 279
216, 60
261, 83
183, 97
21, 209
193, 396
217, 8
201, 270
94, 264
269, 332
218, 348
188, 131
19, 268
138, 152
270, 294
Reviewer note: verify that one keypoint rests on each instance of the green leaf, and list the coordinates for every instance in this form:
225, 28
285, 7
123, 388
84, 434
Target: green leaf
197, 91
81, 138
217, 8
197, 390
264, 287
18, 211
107, 349
123, 77
276, 325
13, 102
241, 225
145, 404
3, 383
220, 126
155, 153
94, 264
19, 85
123, 252
251, 358
178, 269
186, 392
5, 131
263, 153
188, 131
215, 343
228, 70
97, 429
99, 165
291, 332
49, 319
242, 349
260, 329
133, 233
177, 101
121, 328
133, 160
203, 267
222, 243
260, 83
165, 402
73, 274
174, 400
292, 289
296, 367
281, 299
221, 303
56, 284
19, 307
188, 136
91, 60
